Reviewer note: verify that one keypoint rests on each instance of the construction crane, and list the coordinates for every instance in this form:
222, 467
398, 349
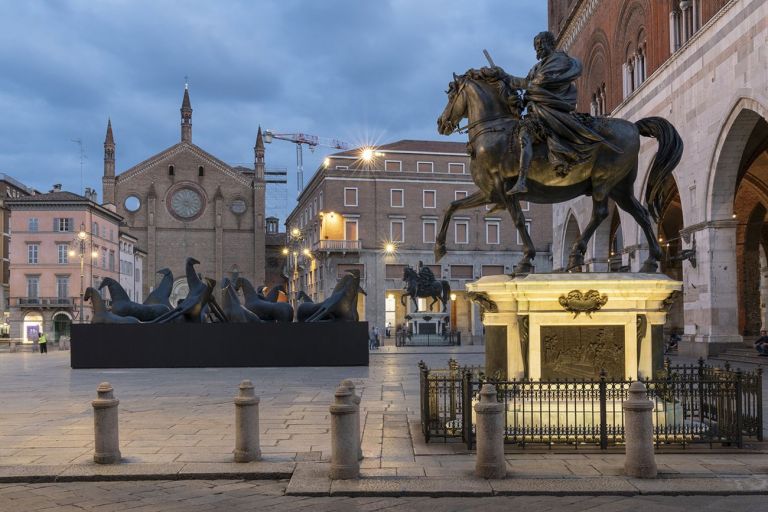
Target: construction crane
301, 139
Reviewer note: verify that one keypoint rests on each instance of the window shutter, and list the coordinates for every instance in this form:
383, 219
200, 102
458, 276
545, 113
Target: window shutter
55, 224
70, 224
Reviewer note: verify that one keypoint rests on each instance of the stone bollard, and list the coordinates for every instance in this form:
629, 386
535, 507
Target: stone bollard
344, 446
347, 383
107, 440
490, 435
639, 460
247, 424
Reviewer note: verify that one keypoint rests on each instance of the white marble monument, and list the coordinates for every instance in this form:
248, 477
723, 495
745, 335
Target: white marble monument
572, 325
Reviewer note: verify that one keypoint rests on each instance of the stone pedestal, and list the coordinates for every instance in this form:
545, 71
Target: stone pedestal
105, 426
490, 435
575, 324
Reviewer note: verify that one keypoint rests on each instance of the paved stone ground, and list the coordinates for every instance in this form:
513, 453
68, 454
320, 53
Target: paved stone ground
187, 415
178, 423
228, 495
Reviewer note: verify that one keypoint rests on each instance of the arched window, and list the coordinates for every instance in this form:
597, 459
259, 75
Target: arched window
200, 171
170, 170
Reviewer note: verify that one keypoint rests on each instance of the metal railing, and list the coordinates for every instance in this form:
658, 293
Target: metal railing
337, 245
404, 339
692, 404
43, 301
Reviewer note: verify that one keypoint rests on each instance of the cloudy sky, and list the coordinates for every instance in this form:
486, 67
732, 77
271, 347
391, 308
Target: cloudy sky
362, 71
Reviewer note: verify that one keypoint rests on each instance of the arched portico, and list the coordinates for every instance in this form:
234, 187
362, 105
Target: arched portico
715, 313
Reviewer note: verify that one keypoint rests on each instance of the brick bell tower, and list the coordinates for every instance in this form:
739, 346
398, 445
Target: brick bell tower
108, 180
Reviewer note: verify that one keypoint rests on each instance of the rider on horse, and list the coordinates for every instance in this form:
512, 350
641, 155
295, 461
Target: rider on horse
426, 277
550, 96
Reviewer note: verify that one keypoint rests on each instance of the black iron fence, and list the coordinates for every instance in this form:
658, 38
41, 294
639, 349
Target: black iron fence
404, 339
692, 404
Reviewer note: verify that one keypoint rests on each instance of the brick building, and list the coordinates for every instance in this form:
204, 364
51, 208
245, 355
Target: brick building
359, 202
702, 65
184, 202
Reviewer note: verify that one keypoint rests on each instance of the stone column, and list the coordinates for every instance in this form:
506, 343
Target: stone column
347, 383
711, 297
344, 446
496, 349
247, 424
639, 461
106, 438
490, 435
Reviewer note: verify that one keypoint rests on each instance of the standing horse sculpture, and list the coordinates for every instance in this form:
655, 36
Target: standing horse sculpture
122, 305
609, 173
437, 290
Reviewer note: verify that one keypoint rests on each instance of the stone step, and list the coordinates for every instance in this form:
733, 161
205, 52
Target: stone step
735, 359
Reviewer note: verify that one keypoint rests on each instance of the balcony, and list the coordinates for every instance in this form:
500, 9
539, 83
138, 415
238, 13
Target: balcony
43, 302
337, 245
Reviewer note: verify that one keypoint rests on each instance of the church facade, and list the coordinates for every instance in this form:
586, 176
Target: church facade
184, 202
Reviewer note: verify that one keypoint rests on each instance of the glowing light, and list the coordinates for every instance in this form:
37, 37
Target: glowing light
295, 232
389, 248
285, 251
661, 239
71, 252
326, 162
82, 235
95, 254
295, 253
307, 253
733, 216
367, 154
391, 296
453, 296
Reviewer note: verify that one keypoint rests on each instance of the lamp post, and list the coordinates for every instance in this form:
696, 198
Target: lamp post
291, 252
80, 239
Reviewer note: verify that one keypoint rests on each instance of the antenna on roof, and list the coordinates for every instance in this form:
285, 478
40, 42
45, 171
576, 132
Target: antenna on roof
186, 82
79, 142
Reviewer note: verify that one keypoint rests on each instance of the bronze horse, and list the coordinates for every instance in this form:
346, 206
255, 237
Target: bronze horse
437, 290
608, 174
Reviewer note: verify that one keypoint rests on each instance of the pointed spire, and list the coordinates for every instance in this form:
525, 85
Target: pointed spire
109, 138
258, 153
186, 116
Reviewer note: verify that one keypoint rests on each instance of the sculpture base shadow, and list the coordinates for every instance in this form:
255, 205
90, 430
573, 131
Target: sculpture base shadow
219, 345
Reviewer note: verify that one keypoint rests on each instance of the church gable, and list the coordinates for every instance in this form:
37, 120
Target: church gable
183, 160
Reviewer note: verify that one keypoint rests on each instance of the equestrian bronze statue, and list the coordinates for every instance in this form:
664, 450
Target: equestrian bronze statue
552, 154
424, 284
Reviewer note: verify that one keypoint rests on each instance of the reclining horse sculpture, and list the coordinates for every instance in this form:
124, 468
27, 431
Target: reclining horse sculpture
122, 305
200, 295
264, 309
340, 306
607, 174
230, 304
162, 294
100, 313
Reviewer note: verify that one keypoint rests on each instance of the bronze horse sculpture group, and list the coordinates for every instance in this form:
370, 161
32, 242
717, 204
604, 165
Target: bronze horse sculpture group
201, 306
610, 173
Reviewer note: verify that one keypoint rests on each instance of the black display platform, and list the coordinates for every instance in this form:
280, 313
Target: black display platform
219, 345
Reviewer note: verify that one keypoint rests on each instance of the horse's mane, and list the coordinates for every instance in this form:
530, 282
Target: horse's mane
509, 95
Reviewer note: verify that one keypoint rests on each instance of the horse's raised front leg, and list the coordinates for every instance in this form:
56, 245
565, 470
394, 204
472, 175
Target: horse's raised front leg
599, 214
471, 201
524, 266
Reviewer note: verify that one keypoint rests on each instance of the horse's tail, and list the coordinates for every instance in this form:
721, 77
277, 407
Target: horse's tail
446, 291
666, 159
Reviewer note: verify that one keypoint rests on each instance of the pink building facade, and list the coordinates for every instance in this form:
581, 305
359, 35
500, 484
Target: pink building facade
61, 243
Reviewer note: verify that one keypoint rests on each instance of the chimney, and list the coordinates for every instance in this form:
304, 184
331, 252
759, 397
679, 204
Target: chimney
56, 187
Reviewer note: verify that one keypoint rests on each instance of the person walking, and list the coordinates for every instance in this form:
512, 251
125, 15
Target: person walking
43, 341
376, 336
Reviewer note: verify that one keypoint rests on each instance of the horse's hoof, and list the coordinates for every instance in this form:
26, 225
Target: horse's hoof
575, 263
649, 267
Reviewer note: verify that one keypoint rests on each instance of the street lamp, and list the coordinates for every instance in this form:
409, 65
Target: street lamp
80, 239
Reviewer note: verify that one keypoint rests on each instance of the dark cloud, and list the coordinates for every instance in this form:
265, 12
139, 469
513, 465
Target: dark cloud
350, 69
